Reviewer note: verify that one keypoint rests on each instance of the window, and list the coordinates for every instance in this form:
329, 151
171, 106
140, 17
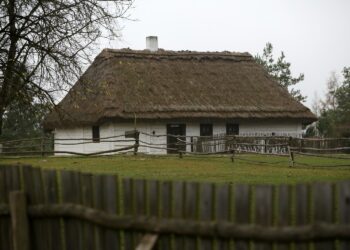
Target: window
232, 129
96, 133
206, 129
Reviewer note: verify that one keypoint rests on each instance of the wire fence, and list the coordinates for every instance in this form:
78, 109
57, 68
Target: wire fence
296, 151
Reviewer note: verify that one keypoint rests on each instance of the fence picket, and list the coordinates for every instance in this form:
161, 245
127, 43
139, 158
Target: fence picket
283, 216
19, 220
70, 184
34, 188
12, 184
344, 209
263, 211
178, 207
13, 178
242, 196
323, 210
98, 204
190, 211
302, 210
222, 211
139, 204
112, 238
152, 194
51, 197
165, 191
87, 196
5, 223
128, 210
206, 210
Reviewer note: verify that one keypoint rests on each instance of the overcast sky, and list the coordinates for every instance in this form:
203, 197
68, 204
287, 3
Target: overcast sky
314, 34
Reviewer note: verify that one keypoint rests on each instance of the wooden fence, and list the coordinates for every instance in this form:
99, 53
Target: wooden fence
71, 211
270, 144
216, 144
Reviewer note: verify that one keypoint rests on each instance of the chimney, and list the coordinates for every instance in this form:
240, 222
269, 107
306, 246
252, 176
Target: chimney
152, 43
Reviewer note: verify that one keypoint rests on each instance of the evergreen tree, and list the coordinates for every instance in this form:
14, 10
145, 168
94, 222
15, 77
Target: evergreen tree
280, 70
23, 120
343, 101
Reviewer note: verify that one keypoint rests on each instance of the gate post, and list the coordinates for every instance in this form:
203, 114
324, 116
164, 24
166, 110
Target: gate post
19, 220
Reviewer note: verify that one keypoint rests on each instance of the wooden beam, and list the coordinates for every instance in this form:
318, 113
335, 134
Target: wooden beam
187, 227
147, 242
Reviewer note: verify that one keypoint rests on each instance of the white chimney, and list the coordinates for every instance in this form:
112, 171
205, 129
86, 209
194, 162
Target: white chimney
152, 43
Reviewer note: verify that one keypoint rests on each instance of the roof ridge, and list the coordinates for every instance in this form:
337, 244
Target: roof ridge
174, 55
161, 52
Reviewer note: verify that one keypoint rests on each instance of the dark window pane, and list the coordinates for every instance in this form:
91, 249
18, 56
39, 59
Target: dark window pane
232, 129
206, 129
95, 133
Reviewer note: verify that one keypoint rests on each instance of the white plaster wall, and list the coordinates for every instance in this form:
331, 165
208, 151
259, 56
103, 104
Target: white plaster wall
282, 127
159, 129
106, 130
72, 133
85, 133
147, 128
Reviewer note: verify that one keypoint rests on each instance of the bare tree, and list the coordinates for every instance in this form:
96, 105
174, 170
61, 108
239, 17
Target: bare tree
44, 44
316, 105
330, 102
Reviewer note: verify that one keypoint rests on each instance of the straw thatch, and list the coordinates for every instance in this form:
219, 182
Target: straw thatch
125, 83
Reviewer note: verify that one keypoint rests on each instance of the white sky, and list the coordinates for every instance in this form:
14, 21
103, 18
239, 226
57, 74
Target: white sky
314, 34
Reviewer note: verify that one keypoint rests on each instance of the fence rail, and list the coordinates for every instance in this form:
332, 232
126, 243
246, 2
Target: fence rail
72, 210
336, 149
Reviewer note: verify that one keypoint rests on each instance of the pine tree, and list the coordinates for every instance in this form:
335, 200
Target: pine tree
280, 70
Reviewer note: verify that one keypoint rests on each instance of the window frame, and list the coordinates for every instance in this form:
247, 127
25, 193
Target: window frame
95, 133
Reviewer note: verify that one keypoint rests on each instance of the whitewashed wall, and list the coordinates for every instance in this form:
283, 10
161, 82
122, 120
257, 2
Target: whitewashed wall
159, 128
281, 127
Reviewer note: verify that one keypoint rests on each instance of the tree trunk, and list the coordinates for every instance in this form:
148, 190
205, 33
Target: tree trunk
5, 91
1, 119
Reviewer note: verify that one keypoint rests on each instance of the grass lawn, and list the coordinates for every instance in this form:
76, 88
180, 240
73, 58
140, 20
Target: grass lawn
195, 168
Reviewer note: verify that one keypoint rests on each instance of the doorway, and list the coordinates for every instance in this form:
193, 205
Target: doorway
175, 131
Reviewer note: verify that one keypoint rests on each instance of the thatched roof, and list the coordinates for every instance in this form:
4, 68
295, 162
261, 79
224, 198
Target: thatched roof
120, 84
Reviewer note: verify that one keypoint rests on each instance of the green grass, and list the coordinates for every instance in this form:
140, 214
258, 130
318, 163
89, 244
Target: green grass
194, 168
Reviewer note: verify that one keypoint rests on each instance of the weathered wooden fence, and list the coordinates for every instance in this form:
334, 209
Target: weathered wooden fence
71, 210
270, 144
216, 144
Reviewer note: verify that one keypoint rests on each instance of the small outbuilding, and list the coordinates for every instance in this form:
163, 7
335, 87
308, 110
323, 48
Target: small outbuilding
173, 92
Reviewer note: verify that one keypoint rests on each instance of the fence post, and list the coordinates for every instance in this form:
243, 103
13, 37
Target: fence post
291, 153
137, 142
291, 157
19, 220
42, 146
191, 143
233, 155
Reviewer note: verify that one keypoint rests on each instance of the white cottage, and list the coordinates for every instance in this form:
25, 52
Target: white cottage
173, 92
